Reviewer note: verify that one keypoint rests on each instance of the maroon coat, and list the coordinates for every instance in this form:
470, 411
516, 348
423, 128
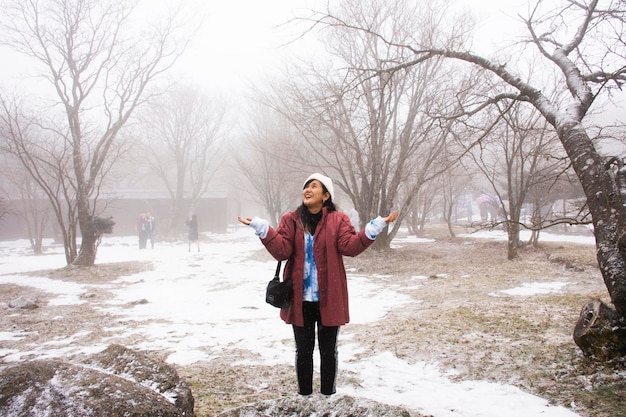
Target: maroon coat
334, 237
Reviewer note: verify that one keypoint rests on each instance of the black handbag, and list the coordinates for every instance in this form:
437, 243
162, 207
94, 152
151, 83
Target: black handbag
279, 293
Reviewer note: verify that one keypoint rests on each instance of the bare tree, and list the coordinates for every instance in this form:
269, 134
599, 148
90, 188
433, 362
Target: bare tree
4, 207
267, 162
424, 205
182, 134
29, 202
519, 155
588, 61
373, 134
99, 70
36, 211
452, 185
47, 162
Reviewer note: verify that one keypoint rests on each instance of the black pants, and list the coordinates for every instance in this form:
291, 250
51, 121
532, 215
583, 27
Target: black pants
305, 344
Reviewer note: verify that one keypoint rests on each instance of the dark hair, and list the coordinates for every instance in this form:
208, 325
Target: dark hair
309, 220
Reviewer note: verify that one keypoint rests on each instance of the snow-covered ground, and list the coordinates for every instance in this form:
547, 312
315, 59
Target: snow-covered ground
201, 305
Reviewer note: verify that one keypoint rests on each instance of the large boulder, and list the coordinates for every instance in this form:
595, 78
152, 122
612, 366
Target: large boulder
298, 406
115, 382
24, 303
159, 376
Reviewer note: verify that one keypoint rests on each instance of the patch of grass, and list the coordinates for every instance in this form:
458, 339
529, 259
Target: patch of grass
607, 401
218, 386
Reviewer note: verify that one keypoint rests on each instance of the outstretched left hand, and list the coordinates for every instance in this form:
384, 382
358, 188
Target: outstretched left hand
392, 217
244, 220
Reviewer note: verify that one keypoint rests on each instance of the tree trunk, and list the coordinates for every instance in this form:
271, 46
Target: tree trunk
382, 241
72, 249
447, 215
177, 217
36, 243
605, 205
513, 241
87, 253
450, 228
599, 332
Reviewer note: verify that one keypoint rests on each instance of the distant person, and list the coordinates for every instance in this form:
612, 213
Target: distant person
142, 231
313, 239
192, 224
150, 225
488, 205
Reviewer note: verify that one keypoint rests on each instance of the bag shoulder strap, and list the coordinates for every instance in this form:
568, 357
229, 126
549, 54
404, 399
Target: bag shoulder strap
277, 273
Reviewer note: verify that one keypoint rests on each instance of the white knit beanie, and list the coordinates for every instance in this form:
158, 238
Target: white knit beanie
328, 183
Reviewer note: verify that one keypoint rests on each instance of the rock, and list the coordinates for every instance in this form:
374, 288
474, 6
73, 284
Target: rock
115, 382
336, 406
118, 360
24, 303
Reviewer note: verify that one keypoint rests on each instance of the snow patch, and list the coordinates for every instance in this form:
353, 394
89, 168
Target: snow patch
533, 288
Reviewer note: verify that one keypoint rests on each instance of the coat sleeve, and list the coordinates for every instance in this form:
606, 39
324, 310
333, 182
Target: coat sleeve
280, 242
349, 241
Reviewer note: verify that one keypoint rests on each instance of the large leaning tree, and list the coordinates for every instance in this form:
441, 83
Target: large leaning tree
582, 44
93, 61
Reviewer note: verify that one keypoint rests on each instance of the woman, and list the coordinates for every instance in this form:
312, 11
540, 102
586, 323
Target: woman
314, 238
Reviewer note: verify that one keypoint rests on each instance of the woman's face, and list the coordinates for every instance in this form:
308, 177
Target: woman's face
313, 196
